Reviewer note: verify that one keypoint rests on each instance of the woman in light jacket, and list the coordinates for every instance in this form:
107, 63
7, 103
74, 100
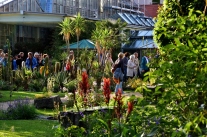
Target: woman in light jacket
130, 67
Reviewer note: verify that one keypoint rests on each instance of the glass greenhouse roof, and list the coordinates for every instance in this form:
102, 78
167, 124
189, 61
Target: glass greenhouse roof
141, 44
143, 33
133, 19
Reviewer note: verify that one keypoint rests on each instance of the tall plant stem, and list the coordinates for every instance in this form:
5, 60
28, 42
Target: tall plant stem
75, 101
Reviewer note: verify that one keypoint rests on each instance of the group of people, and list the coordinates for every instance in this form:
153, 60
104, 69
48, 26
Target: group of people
31, 62
128, 66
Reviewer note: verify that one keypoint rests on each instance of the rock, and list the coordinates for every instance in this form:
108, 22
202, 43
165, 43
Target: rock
47, 102
69, 118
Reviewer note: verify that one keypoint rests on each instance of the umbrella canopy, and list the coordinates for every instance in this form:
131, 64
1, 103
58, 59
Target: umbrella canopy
85, 43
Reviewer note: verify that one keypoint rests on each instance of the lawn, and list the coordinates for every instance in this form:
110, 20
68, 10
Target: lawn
27, 128
21, 95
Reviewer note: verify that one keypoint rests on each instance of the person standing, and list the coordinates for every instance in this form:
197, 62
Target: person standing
31, 62
22, 59
36, 56
144, 67
108, 64
14, 63
118, 72
19, 61
108, 60
136, 62
130, 67
125, 61
2, 58
5, 61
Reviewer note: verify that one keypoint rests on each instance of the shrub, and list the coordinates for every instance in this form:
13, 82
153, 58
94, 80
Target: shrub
20, 88
36, 85
21, 109
44, 95
4, 85
3, 115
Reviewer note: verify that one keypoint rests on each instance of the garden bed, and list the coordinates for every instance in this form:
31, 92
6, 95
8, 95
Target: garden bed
73, 118
47, 102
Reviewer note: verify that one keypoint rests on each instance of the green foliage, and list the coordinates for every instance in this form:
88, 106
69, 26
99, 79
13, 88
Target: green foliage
71, 85
57, 67
181, 36
85, 59
70, 131
21, 95
4, 85
43, 95
60, 78
22, 77
108, 34
27, 128
57, 42
20, 109
37, 82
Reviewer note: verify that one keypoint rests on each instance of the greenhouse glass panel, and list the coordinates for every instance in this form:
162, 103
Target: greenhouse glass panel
131, 19
124, 18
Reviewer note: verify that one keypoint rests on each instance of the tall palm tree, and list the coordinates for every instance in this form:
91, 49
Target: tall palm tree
79, 26
67, 30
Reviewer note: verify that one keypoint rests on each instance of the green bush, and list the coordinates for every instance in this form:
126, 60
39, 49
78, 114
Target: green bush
4, 85
36, 85
20, 109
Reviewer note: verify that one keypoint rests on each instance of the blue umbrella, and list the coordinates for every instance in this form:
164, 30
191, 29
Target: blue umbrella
85, 43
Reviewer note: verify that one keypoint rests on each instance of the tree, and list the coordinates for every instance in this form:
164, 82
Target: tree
107, 36
181, 37
66, 30
79, 26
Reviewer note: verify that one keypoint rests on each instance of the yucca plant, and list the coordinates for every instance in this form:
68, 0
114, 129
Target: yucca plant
79, 25
61, 78
67, 30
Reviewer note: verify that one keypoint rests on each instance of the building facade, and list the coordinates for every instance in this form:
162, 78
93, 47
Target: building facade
27, 20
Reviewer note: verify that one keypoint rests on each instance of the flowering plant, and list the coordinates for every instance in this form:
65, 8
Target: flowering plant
84, 87
106, 89
118, 99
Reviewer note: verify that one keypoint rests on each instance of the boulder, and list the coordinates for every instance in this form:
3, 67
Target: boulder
69, 118
47, 102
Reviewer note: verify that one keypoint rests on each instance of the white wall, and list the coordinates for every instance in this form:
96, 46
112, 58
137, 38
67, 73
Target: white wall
143, 2
146, 2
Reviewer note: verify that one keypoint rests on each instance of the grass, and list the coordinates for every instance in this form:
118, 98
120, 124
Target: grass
27, 128
46, 112
49, 112
21, 95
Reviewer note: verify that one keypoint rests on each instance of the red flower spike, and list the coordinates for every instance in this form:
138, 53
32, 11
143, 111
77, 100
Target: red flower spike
130, 107
118, 99
106, 89
84, 86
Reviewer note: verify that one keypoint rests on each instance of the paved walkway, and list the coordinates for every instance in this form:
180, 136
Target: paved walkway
5, 105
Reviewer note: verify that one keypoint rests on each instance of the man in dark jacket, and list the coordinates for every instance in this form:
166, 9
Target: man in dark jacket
144, 67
